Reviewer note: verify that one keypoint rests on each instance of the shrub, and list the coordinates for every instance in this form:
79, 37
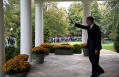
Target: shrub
52, 50
77, 49
46, 34
116, 41
9, 51
112, 35
17, 52
18, 37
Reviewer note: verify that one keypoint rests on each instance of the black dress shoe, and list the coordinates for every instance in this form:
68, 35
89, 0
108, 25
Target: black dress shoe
100, 73
93, 76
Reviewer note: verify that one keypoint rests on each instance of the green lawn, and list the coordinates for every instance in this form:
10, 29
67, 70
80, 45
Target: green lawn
71, 43
104, 46
108, 46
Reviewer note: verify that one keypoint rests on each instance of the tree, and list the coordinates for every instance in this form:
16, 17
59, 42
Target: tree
111, 16
55, 19
75, 12
95, 12
11, 16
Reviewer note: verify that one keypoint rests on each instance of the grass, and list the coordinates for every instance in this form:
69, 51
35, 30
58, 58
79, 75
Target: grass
71, 43
108, 46
104, 46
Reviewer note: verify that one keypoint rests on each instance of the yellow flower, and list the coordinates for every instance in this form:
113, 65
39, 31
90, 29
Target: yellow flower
39, 50
46, 45
15, 65
63, 47
83, 45
21, 57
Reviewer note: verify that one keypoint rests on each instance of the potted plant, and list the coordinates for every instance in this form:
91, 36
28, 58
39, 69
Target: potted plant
16, 68
84, 48
21, 57
40, 52
48, 46
63, 49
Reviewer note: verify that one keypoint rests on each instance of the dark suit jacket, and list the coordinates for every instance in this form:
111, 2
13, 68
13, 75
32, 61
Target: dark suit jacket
94, 37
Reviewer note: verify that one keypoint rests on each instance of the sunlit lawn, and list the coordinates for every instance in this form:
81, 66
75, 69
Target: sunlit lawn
104, 46
71, 43
108, 46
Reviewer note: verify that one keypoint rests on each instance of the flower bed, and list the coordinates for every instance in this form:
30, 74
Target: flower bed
46, 45
63, 49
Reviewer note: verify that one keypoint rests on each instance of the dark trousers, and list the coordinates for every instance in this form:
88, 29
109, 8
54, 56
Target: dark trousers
94, 59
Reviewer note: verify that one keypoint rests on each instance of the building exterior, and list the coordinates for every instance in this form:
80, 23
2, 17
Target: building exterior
26, 26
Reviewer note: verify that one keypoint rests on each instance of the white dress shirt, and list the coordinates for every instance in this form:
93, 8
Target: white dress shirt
91, 26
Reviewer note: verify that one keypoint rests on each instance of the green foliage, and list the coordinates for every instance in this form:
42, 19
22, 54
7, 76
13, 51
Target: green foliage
77, 49
116, 41
117, 29
17, 52
95, 12
12, 19
112, 35
75, 12
33, 25
33, 36
108, 46
55, 19
65, 44
17, 35
11, 16
46, 34
52, 50
9, 51
110, 16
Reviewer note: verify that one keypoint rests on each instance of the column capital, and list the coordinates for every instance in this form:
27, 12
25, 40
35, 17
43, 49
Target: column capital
38, 2
87, 1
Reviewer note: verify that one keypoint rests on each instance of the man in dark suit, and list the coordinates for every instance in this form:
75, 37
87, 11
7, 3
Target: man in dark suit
94, 44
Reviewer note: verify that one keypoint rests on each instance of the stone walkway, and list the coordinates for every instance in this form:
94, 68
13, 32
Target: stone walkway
75, 66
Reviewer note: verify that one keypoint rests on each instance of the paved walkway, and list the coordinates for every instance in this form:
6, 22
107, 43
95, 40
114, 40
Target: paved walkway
75, 66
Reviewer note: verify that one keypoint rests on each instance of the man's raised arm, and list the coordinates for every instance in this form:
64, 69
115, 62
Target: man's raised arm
79, 25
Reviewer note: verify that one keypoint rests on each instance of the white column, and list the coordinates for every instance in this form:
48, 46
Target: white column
39, 34
26, 28
86, 13
2, 48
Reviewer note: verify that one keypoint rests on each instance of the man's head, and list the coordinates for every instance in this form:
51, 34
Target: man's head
90, 20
